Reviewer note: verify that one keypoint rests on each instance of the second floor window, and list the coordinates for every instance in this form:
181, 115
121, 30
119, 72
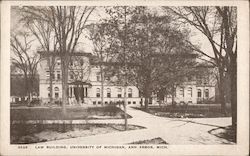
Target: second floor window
190, 92
98, 77
108, 92
119, 93
129, 92
199, 93
206, 93
98, 91
182, 92
58, 75
47, 73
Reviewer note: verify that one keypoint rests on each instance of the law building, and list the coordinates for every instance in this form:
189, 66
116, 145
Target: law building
84, 83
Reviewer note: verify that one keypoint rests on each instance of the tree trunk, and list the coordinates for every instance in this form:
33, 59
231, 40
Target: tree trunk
102, 86
233, 79
51, 87
125, 108
64, 83
222, 91
173, 95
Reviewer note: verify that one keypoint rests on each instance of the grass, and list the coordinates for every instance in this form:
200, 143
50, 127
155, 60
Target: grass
187, 111
78, 113
227, 133
151, 141
32, 133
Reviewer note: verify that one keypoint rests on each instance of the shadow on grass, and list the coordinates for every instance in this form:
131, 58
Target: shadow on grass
227, 133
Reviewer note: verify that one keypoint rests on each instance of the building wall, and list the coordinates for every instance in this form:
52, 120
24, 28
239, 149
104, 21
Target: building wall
187, 92
92, 78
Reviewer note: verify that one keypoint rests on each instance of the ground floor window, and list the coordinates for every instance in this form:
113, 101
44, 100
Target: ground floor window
56, 95
199, 93
206, 93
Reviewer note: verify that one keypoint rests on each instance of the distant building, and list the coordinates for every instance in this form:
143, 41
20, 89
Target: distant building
85, 83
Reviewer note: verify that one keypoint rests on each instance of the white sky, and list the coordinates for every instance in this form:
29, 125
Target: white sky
197, 37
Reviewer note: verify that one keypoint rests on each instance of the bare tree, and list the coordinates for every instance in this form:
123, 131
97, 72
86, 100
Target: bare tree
102, 43
68, 24
24, 60
219, 26
43, 32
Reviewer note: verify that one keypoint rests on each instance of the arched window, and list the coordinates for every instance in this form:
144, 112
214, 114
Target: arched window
119, 92
206, 93
199, 93
98, 92
190, 91
182, 92
56, 89
130, 92
108, 92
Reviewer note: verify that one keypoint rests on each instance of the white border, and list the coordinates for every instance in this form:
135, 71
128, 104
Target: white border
242, 147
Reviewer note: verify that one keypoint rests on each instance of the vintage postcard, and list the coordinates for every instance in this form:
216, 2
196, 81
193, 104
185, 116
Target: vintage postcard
124, 78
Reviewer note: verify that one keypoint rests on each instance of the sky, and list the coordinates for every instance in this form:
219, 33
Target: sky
196, 38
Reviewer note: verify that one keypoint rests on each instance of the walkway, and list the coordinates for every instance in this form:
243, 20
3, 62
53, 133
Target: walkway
172, 130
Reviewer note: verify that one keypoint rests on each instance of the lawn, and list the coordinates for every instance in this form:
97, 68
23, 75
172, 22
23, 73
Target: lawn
154, 141
191, 111
74, 113
32, 133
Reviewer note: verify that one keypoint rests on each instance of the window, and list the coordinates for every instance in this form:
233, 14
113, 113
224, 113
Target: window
190, 92
98, 92
58, 75
99, 102
48, 88
106, 102
182, 92
199, 93
81, 62
47, 74
129, 92
58, 62
129, 102
94, 102
134, 102
108, 92
98, 77
107, 78
56, 95
119, 93
56, 89
48, 94
206, 93
71, 76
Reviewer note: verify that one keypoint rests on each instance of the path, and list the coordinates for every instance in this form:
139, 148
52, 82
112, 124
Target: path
172, 130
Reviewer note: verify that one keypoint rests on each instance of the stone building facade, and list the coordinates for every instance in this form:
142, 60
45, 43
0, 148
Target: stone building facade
85, 83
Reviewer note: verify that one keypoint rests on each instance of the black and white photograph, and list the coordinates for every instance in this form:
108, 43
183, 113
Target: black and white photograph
124, 75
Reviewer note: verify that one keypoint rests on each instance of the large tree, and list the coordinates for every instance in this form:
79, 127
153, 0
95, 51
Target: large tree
24, 59
67, 24
43, 32
219, 26
159, 49
99, 34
